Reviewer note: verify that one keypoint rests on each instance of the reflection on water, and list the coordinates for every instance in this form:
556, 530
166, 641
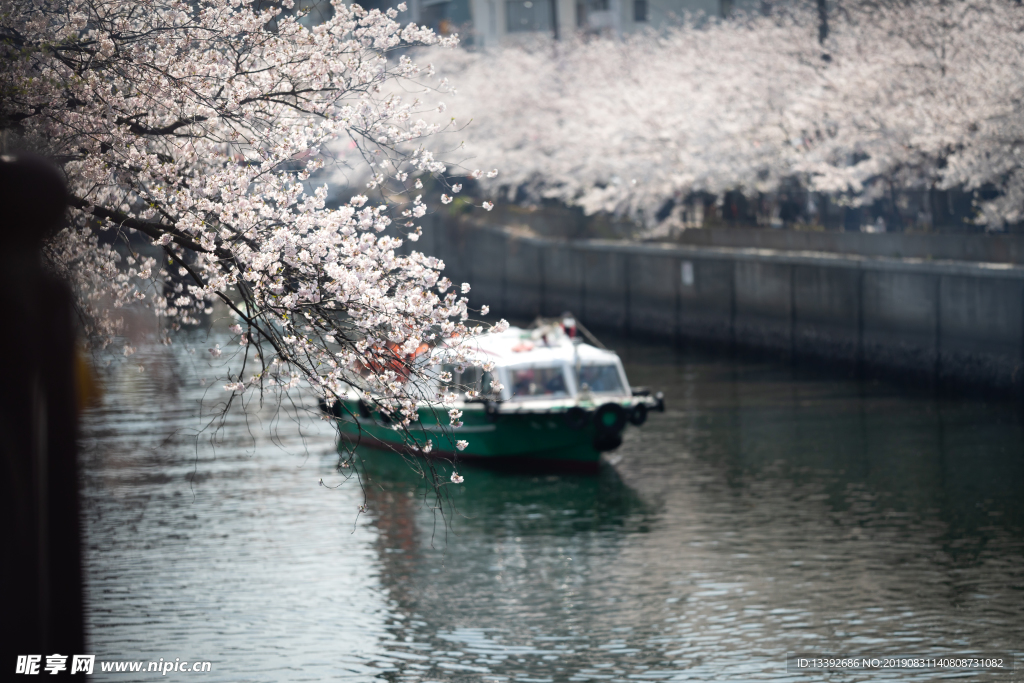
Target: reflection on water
765, 512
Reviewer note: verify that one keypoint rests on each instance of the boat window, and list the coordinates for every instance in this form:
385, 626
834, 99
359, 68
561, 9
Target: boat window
538, 382
600, 379
471, 378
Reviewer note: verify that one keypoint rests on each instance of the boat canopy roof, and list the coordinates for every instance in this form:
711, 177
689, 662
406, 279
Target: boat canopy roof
540, 347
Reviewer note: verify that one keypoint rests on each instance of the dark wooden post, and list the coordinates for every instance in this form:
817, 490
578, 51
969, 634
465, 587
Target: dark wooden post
822, 21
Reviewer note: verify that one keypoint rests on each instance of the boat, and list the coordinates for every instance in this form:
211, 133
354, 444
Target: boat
562, 401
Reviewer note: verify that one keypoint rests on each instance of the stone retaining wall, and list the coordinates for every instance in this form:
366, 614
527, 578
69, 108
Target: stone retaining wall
995, 248
934, 319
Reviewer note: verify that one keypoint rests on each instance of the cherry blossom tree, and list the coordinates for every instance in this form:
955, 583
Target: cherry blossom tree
923, 94
192, 134
918, 94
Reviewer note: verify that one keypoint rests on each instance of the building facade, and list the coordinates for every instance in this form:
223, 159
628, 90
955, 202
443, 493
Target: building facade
486, 23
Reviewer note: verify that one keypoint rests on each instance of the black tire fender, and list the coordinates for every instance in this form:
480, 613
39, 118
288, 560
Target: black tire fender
609, 419
577, 418
639, 414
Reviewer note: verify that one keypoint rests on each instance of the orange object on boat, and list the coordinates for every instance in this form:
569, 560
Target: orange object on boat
397, 363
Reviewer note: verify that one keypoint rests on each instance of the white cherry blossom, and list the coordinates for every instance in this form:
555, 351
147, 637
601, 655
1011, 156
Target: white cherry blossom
194, 137
909, 95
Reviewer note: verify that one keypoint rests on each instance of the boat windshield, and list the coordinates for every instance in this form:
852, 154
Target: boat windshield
538, 383
470, 379
600, 379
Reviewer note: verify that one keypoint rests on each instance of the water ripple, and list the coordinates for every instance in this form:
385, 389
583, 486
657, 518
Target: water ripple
767, 512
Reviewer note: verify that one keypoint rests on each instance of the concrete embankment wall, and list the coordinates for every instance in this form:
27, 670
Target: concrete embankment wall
997, 248
946, 320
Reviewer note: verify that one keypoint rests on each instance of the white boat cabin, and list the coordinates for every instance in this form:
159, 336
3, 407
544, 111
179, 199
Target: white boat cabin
540, 369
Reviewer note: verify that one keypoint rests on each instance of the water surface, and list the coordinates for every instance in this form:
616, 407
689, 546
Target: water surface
767, 512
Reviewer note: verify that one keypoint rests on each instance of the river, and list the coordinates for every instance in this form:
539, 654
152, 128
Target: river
768, 511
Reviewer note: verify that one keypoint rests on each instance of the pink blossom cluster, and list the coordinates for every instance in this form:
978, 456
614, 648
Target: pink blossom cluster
917, 94
190, 133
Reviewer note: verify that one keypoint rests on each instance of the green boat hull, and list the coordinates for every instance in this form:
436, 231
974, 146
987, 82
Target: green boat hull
536, 436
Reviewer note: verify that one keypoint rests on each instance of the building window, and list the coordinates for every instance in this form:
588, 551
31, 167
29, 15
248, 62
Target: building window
639, 10
529, 15
594, 15
445, 16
